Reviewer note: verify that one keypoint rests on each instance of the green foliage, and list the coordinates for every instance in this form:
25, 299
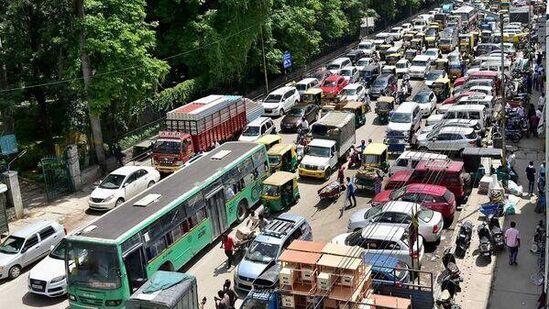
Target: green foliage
178, 95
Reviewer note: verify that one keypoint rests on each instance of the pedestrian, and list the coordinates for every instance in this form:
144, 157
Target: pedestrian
227, 244
542, 170
222, 300
462, 66
362, 147
351, 197
377, 183
252, 220
534, 121
539, 112
511, 162
118, 154
531, 176
229, 292
512, 240
304, 124
528, 82
341, 174
541, 100
262, 222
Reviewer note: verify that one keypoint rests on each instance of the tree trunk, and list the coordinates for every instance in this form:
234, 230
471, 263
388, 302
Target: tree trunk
95, 120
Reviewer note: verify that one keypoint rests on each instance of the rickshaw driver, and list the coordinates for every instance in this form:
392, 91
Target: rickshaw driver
287, 192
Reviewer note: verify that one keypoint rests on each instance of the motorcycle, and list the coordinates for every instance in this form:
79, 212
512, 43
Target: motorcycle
449, 262
485, 240
302, 138
446, 301
497, 232
463, 239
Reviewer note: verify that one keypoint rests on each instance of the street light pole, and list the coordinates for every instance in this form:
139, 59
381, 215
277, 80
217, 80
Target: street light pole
264, 61
503, 101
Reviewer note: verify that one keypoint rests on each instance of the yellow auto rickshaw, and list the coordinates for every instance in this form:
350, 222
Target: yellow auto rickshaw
441, 64
466, 43
393, 58
312, 96
417, 43
269, 140
359, 109
442, 89
485, 36
407, 39
282, 157
454, 70
382, 49
376, 158
280, 191
410, 54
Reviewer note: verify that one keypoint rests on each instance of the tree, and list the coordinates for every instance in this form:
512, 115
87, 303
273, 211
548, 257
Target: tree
115, 52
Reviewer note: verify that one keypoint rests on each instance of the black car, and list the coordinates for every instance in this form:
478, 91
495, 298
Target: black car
292, 119
369, 73
384, 85
355, 55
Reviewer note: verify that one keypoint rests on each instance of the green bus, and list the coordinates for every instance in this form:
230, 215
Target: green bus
163, 227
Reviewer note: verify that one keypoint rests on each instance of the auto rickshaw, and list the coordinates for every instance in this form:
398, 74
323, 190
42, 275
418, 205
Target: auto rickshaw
384, 106
392, 59
417, 43
269, 140
407, 39
282, 157
454, 70
410, 54
376, 158
280, 191
312, 96
485, 36
466, 43
441, 88
441, 64
382, 49
359, 109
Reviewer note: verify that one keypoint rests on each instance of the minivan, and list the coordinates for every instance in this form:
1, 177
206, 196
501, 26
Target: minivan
280, 101
420, 66
403, 123
263, 252
338, 64
27, 246
305, 84
257, 128
409, 160
474, 112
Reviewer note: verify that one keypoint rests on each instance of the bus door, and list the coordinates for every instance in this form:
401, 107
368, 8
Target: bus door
215, 206
135, 262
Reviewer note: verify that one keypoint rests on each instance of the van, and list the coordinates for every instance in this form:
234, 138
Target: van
264, 250
257, 128
338, 64
305, 84
409, 160
420, 66
474, 112
28, 245
280, 101
403, 123
487, 101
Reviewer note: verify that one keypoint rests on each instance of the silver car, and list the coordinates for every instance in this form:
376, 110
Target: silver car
27, 246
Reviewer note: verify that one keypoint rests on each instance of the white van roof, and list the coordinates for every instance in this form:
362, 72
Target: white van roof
467, 108
259, 121
422, 155
407, 107
421, 58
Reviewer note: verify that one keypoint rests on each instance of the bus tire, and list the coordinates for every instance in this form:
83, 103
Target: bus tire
242, 210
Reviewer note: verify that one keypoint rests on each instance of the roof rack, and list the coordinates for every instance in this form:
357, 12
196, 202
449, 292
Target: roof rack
278, 228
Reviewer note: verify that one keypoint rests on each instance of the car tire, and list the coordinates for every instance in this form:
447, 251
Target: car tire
282, 112
151, 183
14, 272
119, 202
328, 173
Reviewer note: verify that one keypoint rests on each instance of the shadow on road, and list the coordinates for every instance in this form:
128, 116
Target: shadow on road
41, 301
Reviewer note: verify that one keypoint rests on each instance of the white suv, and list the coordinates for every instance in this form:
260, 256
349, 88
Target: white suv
448, 139
280, 101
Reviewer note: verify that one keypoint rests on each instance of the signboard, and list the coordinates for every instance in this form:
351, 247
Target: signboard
367, 22
286, 60
8, 144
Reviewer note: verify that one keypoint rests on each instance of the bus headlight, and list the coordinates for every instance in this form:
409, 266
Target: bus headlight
72, 297
113, 302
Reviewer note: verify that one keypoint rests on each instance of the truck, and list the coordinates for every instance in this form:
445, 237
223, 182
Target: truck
332, 138
519, 14
200, 125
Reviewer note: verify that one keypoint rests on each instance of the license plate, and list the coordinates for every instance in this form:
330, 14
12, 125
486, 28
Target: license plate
36, 286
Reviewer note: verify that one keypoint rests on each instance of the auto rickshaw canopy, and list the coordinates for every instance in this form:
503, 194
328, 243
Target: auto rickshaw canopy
312, 95
269, 140
352, 105
280, 178
280, 149
386, 99
375, 149
441, 64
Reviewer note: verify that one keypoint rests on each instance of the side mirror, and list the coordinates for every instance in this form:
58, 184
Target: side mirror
24, 250
125, 185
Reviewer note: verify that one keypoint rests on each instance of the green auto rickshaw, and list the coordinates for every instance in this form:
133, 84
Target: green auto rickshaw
269, 140
359, 109
384, 106
280, 191
282, 157
312, 96
442, 89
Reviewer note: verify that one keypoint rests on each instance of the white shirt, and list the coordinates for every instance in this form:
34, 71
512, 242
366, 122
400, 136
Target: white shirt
305, 124
538, 113
541, 101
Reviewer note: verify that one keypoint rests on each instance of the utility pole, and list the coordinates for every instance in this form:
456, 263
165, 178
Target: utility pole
264, 61
503, 101
546, 285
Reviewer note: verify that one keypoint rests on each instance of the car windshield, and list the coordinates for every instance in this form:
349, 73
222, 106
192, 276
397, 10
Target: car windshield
348, 92
431, 52
273, 98
401, 65
397, 193
317, 151
370, 158
274, 160
296, 112
346, 72
301, 87
380, 83
271, 190
329, 83
113, 181
433, 75
421, 97
262, 252
92, 265
431, 32
354, 239
12, 245
425, 214
363, 62
251, 131
419, 63
165, 146
58, 252
401, 117
372, 212
333, 67
445, 41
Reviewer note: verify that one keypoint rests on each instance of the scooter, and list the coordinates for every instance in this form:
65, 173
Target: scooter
485, 240
497, 233
446, 301
463, 239
449, 262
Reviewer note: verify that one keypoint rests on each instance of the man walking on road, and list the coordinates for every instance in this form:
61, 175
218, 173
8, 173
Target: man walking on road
531, 175
512, 240
227, 244
351, 193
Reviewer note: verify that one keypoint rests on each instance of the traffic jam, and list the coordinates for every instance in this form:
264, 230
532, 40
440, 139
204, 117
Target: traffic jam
339, 190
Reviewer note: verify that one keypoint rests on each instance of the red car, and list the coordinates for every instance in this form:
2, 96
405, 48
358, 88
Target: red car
434, 197
455, 99
332, 85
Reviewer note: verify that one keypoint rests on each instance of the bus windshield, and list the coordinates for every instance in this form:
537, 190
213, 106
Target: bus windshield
92, 265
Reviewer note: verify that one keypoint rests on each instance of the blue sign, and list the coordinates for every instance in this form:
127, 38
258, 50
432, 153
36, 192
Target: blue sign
287, 60
8, 144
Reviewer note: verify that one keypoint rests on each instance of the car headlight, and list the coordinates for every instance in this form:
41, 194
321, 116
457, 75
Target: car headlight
109, 198
1, 268
58, 279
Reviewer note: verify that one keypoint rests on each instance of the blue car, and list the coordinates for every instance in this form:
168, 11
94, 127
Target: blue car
387, 270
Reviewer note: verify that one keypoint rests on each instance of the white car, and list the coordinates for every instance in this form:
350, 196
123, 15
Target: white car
305, 84
354, 92
280, 101
448, 139
462, 123
420, 66
432, 53
362, 62
427, 101
256, 129
400, 213
396, 33
350, 73
433, 75
402, 67
48, 277
406, 26
383, 239
368, 47
121, 185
